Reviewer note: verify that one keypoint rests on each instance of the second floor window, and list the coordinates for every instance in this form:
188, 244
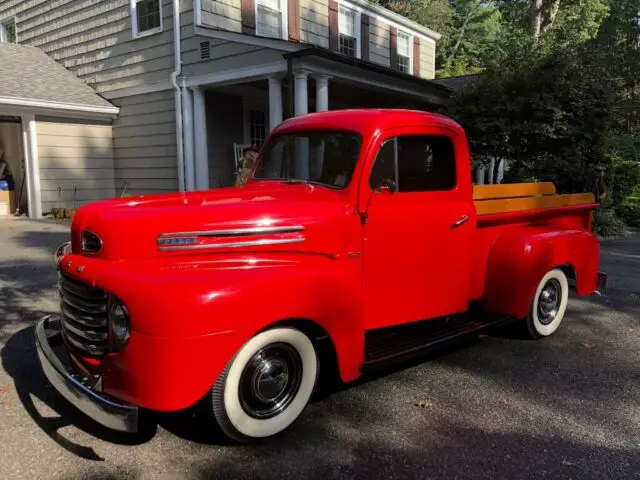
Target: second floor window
8, 31
348, 31
146, 17
270, 18
404, 52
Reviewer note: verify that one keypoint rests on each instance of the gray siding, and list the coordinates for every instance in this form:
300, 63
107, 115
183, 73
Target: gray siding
314, 22
76, 162
223, 55
93, 39
224, 128
222, 14
144, 144
379, 35
427, 59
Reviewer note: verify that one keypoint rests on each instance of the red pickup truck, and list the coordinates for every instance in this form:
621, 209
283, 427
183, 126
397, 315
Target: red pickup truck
360, 239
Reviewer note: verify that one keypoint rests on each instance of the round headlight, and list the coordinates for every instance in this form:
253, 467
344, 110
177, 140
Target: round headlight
119, 325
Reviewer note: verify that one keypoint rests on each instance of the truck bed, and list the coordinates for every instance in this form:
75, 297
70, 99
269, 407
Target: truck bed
505, 207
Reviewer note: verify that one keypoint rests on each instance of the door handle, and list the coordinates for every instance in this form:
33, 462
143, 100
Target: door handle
464, 219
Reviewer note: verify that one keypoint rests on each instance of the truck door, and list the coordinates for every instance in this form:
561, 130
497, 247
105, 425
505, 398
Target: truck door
419, 226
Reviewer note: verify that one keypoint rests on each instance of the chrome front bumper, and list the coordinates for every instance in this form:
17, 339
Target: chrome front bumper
103, 410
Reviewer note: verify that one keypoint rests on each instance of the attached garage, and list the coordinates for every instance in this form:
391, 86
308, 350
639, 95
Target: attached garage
55, 133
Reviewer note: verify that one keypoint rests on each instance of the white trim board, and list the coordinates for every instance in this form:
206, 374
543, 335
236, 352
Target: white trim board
45, 107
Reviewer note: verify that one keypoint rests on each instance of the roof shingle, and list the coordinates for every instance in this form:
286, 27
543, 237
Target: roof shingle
30, 74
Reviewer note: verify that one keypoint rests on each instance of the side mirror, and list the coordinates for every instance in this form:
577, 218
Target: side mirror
387, 186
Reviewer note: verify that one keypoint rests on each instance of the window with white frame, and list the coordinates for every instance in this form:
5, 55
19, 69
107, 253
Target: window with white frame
146, 17
257, 128
349, 31
404, 52
271, 18
8, 31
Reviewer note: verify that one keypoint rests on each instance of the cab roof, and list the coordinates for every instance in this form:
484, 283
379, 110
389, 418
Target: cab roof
366, 121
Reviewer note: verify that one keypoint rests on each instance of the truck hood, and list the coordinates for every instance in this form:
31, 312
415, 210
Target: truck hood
264, 216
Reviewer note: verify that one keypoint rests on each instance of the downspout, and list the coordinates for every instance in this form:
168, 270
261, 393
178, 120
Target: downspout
177, 55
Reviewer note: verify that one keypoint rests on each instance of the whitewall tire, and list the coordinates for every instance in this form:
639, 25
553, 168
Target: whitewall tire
549, 304
267, 384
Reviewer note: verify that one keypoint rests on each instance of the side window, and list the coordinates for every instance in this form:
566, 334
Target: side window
425, 163
384, 167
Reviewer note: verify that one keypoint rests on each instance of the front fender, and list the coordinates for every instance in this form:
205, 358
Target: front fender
520, 258
190, 317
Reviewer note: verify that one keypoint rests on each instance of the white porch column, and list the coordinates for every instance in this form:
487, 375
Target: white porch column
492, 166
189, 154
31, 165
275, 102
322, 93
480, 175
301, 102
200, 140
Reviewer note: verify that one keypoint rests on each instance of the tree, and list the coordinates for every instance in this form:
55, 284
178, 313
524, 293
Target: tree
560, 22
548, 115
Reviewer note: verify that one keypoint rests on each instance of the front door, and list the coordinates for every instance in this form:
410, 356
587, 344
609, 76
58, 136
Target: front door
417, 237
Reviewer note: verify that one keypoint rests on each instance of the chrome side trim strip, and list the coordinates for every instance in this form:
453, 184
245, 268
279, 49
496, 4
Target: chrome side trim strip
249, 243
237, 232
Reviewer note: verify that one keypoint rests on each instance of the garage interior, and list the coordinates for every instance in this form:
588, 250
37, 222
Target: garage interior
13, 200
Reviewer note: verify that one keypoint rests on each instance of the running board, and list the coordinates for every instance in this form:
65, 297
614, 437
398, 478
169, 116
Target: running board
399, 342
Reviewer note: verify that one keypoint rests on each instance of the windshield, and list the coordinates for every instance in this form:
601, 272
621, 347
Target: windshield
324, 158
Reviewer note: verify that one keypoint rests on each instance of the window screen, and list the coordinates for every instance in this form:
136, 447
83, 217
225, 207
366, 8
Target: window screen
424, 164
148, 15
404, 52
269, 18
348, 32
8, 31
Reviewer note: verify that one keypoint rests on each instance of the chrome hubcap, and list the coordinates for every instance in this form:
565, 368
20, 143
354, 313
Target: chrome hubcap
549, 301
270, 381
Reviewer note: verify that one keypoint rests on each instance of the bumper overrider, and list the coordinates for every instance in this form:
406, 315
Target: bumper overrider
71, 386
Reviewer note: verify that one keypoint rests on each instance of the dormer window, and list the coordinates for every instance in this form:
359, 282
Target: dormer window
404, 52
271, 18
349, 31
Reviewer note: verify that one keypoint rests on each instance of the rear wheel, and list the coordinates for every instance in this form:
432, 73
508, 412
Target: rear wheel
266, 386
549, 304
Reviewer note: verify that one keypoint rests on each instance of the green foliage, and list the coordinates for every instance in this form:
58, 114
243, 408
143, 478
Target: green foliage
624, 178
547, 115
630, 212
607, 224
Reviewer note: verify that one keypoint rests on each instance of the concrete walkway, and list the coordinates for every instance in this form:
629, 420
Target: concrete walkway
565, 407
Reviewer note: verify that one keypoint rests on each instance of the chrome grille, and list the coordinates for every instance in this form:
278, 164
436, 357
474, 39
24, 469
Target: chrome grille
83, 310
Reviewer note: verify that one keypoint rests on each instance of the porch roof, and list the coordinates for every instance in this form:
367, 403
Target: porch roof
431, 86
31, 80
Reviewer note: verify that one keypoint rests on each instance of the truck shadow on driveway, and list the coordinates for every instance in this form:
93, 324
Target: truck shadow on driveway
20, 361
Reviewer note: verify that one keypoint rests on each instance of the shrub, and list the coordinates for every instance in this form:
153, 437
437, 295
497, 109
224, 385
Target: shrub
607, 224
630, 212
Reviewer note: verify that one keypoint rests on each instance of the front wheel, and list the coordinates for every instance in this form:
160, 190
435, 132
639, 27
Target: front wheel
549, 304
266, 386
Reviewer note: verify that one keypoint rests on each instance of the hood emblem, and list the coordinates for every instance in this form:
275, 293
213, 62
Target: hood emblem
68, 264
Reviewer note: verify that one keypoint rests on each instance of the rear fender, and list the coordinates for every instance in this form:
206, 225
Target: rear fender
520, 258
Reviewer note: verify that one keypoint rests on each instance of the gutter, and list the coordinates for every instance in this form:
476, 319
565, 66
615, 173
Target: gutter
177, 55
25, 102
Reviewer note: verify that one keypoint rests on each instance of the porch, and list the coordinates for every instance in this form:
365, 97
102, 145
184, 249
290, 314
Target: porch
227, 111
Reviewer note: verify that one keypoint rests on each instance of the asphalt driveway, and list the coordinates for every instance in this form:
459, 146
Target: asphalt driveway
565, 407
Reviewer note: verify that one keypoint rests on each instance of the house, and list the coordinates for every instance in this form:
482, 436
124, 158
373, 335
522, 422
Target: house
101, 97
